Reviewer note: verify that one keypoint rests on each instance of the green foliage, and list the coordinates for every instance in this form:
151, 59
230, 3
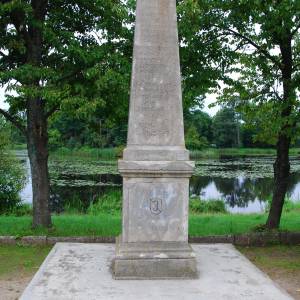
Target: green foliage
12, 177
80, 62
193, 140
252, 48
198, 133
21, 209
198, 206
225, 128
109, 203
289, 206
106, 154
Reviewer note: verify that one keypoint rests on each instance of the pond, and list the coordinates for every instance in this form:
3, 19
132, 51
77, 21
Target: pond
244, 184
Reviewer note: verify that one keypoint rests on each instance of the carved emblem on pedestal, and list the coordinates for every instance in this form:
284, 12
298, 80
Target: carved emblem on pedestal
156, 206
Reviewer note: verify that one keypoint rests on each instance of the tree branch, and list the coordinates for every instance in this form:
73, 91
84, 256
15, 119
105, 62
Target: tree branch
52, 111
14, 121
277, 95
259, 48
296, 66
296, 29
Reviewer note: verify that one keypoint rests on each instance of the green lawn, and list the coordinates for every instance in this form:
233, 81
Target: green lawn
21, 259
278, 256
110, 225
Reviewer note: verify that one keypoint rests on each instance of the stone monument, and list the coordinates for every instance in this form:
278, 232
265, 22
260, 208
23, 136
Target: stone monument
155, 166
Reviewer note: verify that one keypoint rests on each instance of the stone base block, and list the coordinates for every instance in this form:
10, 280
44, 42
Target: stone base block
144, 269
154, 260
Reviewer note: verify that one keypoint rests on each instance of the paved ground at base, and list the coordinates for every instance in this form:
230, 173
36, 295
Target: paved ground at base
81, 271
11, 288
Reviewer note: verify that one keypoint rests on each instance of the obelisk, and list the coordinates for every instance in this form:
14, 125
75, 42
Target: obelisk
155, 166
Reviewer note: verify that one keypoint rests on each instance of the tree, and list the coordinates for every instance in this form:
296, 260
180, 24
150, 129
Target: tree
201, 121
57, 54
225, 128
259, 42
193, 140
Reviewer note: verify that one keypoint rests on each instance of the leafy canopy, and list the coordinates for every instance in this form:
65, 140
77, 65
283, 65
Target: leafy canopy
251, 47
84, 54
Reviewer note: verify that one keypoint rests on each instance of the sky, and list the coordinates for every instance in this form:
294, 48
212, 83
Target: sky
2, 104
210, 99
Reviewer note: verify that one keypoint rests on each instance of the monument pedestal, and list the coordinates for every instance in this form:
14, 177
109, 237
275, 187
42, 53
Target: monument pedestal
154, 243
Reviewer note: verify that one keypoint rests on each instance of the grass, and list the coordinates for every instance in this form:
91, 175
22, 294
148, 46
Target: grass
281, 263
216, 153
278, 256
114, 153
110, 225
21, 259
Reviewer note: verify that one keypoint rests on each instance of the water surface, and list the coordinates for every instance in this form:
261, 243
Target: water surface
244, 184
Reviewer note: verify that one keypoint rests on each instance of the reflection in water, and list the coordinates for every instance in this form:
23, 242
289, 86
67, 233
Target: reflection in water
241, 194
245, 191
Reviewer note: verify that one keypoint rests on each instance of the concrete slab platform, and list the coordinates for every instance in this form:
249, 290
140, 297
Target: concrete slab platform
82, 271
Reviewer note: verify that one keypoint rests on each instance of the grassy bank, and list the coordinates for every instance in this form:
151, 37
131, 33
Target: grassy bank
114, 153
110, 225
238, 152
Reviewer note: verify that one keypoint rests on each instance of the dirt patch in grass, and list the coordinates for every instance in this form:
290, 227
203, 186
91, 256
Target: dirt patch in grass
12, 287
281, 263
18, 264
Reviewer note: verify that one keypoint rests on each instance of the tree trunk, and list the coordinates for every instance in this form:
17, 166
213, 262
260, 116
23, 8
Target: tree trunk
281, 178
282, 163
37, 144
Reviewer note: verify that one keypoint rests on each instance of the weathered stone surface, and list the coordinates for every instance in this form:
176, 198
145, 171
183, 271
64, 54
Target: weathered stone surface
155, 130
155, 166
155, 209
154, 260
82, 271
212, 239
8, 240
290, 238
80, 239
30, 240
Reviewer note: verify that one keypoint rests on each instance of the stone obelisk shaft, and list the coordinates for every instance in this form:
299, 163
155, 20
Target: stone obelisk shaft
156, 118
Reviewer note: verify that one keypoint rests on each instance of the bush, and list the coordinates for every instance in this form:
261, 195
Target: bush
22, 209
198, 206
109, 203
12, 175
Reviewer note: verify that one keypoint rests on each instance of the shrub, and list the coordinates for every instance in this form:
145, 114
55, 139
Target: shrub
109, 203
12, 175
198, 206
22, 209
